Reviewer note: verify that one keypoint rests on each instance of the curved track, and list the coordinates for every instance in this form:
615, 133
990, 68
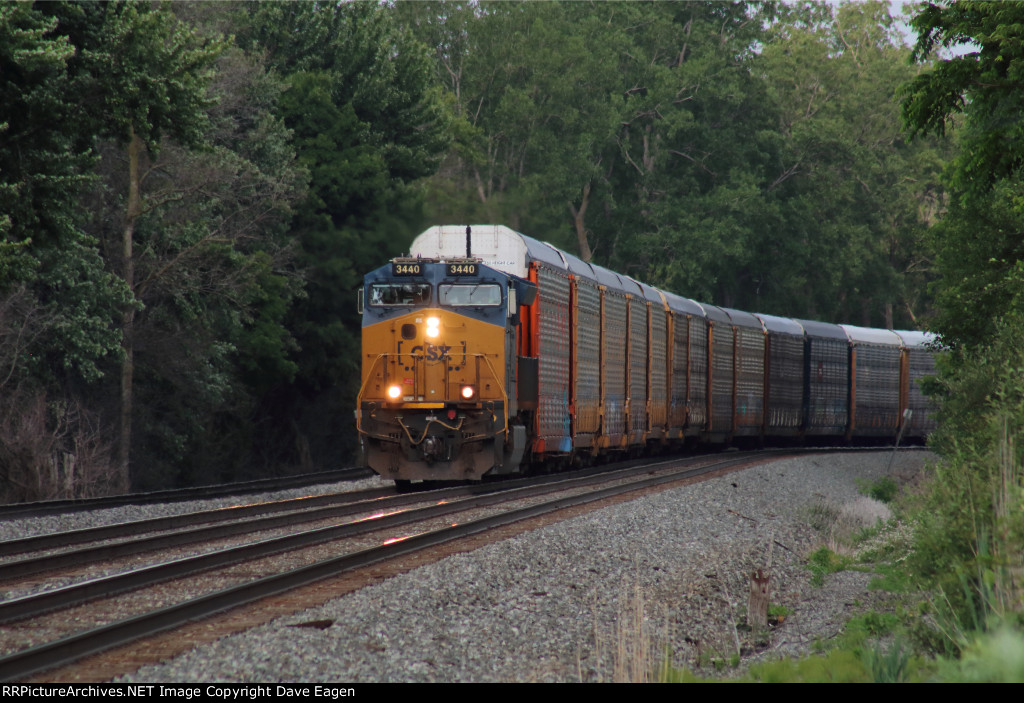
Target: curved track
255, 575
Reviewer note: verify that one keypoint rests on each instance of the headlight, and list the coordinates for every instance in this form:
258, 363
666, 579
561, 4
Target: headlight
394, 392
433, 327
467, 392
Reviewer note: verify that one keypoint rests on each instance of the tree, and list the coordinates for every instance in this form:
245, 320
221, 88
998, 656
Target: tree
969, 544
367, 123
978, 244
57, 304
855, 193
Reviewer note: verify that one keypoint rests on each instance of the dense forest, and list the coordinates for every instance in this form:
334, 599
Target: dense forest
191, 192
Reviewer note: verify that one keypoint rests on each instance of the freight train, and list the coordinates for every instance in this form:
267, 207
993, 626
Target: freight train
486, 352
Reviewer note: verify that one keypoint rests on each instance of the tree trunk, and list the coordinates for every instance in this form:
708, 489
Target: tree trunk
132, 213
581, 231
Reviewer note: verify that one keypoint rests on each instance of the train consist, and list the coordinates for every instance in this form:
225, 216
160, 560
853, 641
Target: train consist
486, 351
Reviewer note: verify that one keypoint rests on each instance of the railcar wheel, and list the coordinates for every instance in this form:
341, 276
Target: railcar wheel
403, 485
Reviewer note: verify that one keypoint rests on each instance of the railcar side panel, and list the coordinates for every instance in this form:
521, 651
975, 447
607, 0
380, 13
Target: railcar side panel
587, 362
680, 325
826, 378
697, 413
722, 340
613, 367
875, 373
554, 431
657, 392
749, 363
637, 392
784, 379
876, 388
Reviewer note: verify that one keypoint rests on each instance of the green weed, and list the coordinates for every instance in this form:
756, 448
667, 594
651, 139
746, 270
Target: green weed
823, 562
889, 666
884, 489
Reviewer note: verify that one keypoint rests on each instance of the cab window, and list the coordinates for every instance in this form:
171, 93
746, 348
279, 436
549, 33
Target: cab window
399, 294
455, 294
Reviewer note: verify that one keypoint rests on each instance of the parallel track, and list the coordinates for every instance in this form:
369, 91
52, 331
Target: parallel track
70, 648
51, 507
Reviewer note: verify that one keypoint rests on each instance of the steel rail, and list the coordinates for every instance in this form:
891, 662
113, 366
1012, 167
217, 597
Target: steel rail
27, 606
74, 647
55, 540
48, 507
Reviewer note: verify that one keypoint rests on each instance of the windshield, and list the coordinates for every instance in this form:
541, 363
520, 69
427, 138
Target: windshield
400, 294
470, 294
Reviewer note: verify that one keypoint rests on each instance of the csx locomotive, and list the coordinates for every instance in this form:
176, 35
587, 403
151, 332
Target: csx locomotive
485, 351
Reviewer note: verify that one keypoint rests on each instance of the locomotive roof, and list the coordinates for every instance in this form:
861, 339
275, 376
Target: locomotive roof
497, 245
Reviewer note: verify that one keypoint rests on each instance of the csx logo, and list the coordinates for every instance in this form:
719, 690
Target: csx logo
433, 352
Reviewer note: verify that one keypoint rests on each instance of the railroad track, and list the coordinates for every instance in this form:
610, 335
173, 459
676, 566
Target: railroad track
88, 619
51, 507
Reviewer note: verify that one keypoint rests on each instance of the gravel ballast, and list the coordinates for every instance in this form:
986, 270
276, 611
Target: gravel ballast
592, 598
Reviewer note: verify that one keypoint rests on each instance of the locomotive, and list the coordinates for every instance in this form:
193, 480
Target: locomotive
486, 351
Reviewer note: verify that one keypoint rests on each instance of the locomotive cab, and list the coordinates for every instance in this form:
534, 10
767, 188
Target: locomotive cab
438, 369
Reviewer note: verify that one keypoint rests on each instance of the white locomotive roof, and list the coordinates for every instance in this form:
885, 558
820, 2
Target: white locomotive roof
498, 246
869, 335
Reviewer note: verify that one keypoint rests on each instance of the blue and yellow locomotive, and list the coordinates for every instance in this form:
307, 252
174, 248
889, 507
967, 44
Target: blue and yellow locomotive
527, 354
438, 361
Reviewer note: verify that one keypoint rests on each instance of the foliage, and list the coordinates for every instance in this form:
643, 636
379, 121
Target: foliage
824, 561
884, 489
887, 666
258, 158
969, 540
721, 150
366, 122
994, 657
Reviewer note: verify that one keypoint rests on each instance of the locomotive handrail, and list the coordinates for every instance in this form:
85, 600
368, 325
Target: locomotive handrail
426, 429
501, 387
362, 387
490, 368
